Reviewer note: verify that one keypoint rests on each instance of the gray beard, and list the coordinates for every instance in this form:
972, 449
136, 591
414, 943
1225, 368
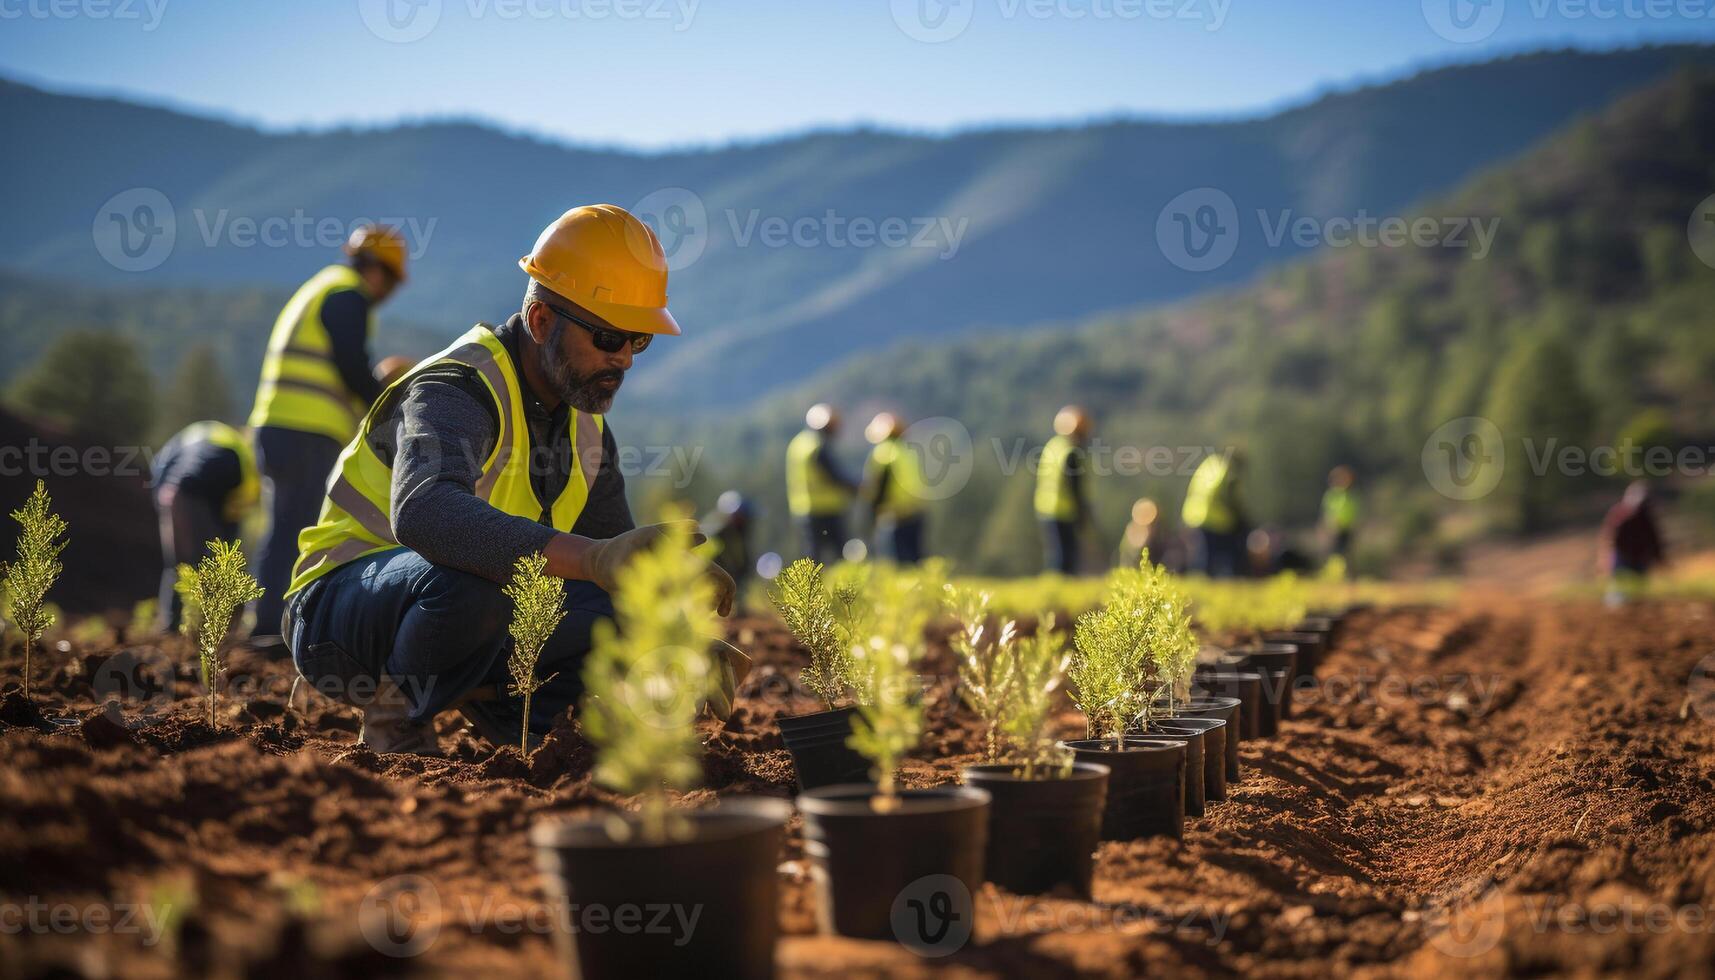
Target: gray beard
576, 390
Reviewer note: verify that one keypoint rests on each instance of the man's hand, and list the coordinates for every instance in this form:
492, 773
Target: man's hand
732, 666
602, 560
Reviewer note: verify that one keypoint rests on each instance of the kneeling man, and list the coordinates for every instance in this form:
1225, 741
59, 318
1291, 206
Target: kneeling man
494, 449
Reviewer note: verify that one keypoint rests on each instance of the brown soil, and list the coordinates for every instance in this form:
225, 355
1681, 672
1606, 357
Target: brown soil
1488, 790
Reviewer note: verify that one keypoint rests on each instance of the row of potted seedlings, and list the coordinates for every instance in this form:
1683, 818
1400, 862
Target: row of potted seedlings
1162, 742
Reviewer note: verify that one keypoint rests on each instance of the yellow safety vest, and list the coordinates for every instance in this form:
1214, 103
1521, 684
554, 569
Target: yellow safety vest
1339, 508
301, 387
810, 491
904, 494
1206, 504
249, 490
356, 516
1054, 499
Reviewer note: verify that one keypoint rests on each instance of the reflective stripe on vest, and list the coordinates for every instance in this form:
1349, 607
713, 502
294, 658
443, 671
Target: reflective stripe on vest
249, 490
810, 491
1205, 499
301, 387
356, 514
1054, 498
904, 494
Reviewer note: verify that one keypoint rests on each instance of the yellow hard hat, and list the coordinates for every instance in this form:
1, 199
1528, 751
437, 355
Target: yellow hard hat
885, 425
608, 262
822, 416
1071, 420
381, 243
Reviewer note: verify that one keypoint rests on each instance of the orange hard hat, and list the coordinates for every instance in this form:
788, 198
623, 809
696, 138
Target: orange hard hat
381, 243
604, 259
1071, 420
884, 426
822, 417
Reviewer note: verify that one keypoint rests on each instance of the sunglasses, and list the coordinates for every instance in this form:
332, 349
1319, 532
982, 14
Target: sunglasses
606, 339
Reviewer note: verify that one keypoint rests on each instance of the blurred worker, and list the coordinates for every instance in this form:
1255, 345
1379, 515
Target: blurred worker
893, 491
204, 483
1145, 533
493, 450
1060, 494
816, 491
729, 525
1214, 517
1631, 545
316, 386
1339, 514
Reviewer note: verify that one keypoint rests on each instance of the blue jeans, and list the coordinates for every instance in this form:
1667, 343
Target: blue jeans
294, 467
1060, 546
900, 539
437, 632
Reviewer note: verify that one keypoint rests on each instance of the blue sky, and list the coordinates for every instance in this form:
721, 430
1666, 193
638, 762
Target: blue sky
655, 73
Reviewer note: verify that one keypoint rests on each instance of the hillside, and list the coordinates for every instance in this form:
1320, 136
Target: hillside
1588, 323
1048, 223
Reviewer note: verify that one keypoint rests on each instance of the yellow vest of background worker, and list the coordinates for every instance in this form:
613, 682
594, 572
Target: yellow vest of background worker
1054, 498
356, 515
301, 388
249, 490
810, 491
1206, 505
903, 495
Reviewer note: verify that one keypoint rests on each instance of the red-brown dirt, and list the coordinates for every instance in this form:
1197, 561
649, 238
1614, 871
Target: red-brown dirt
1487, 790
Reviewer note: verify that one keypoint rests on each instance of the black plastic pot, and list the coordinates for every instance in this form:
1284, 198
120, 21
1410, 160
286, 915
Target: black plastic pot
1231, 682
1146, 785
1213, 786
1276, 663
819, 751
1310, 646
862, 861
608, 897
1042, 832
1326, 625
1226, 709
1195, 741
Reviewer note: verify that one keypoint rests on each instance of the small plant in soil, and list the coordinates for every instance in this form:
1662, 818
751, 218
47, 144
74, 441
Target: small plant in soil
1037, 667
823, 622
1109, 670
538, 601
221, 587
890, 702
986, 677
29, 577
1172, 643
646, 679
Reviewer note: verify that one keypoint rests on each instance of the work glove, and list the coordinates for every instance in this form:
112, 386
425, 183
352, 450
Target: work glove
732, 666
605, 558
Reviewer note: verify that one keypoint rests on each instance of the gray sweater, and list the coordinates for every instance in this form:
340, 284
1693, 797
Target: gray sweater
436, 431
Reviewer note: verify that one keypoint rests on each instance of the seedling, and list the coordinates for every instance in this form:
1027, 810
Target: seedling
646, 680
890, 704
1108, 669
538, 601
220, 586
190, 606
1172, 644
823, 623
1038, 668
986, 678
29, 578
